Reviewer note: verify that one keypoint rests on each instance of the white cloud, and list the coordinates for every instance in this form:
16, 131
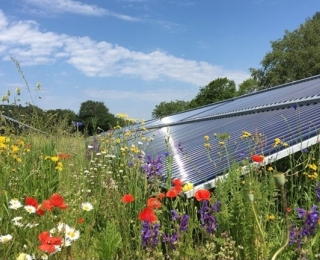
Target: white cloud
24, 41
76, 7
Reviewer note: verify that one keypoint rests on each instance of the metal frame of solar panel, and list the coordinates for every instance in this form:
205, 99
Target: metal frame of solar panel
21, 125
289, 112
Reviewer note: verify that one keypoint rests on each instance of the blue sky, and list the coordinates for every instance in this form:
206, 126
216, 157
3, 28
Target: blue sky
134, 54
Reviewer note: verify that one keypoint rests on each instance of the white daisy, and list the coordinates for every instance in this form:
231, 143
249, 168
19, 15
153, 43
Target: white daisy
87, 206
72, 234
62, 227
15, 219
6, 238
30, 209
15, 204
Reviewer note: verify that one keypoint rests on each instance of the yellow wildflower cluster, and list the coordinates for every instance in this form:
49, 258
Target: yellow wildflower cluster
245, 135
122, 116
278, 142
127, 133
55, 159
134, 149
314, 174
207, 144
12, 148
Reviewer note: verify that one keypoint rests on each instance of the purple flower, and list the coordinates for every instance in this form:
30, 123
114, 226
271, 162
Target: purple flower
310, 222
207, 219
153, 167
150, 234
184, 220
310, 218
170, 240
184, 223
180, 147
295, 236
175, 214
130, 164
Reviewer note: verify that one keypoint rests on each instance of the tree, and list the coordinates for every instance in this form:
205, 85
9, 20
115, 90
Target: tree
248, 86
94, 114
295, 56
217, 90
168, 108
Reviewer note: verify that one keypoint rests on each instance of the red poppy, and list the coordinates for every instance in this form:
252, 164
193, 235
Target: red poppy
47, 205
172, 193
161, 196
64, 156
49, 242
57, 201
147, 214
128, 198
81, 220
177, 182
153, 203
178, 188
33, 202
257, 158
202, 195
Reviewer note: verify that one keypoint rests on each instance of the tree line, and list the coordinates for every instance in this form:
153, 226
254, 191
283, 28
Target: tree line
93, 117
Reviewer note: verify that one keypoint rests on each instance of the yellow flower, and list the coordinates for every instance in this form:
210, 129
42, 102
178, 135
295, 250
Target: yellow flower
188, 186
54, 158
313, 166
221, 143
127, 133
285, 144
4, 139
271, 217
207, 145
270, 168
59, 166
245, 134
206, 138
14, 148
118, 141
277, 141
121, 115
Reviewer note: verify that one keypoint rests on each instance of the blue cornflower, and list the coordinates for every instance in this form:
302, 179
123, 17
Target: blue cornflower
130, 164
150, 234
165, 154
295, 106
153, 167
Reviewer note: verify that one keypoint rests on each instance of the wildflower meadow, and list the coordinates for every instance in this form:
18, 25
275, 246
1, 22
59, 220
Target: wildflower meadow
64, 195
